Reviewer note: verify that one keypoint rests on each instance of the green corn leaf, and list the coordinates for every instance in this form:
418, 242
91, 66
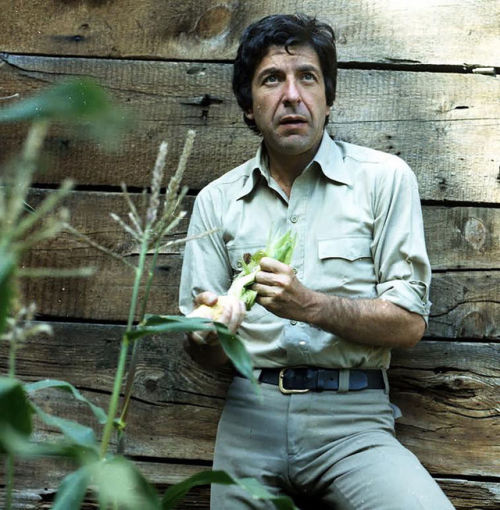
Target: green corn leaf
158, 324
235, 350
120, 484
175, 493
232, 345
71, 100
7, 266
72, 430
78, 101
66, 386
21, 446
72, 490
15, 409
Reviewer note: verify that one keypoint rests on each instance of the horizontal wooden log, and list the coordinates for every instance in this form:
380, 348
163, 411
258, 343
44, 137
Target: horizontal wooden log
430, 32
444, 125
447, 392
465, 303
37, 482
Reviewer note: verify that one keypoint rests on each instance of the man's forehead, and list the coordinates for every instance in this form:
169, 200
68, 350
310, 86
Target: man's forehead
303, 52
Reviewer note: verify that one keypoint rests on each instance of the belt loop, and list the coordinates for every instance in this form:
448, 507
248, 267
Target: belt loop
386, 381
343, 380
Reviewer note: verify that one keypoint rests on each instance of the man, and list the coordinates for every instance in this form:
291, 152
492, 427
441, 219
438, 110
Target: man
323, 327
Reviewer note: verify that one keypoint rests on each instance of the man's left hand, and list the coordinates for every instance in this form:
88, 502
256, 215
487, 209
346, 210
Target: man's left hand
280, 291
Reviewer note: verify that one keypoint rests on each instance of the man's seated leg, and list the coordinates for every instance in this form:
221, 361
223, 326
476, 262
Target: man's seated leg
251, 439
383, 475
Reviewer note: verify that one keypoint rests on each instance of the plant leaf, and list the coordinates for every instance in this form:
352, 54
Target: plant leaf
66, 386
71, 100
20, 445
119, 482
72, 490
232, 345
175, 493
75, 432
15, 409
236, 352
7, 265
79, 100
158, 324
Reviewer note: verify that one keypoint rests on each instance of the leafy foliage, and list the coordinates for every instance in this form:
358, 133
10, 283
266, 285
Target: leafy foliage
15, 410
116, 481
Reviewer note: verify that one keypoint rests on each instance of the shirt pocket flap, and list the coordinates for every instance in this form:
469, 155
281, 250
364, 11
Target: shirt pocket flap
348, 248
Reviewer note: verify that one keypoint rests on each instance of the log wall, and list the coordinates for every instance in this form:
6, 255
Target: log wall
416, 79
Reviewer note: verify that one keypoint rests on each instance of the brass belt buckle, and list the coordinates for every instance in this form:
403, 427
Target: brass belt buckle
284, 390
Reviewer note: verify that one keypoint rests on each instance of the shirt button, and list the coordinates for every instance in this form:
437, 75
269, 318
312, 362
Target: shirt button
294, 269
293, 323
294, 219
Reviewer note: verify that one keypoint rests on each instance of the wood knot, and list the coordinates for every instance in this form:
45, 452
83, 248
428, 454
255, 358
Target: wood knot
475, 233
472, 325
214, 22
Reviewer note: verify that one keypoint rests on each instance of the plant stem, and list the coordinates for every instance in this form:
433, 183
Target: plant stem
10, 480
133, 360
115, 396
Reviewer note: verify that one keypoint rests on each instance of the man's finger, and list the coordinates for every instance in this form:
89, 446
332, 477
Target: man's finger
206, 298
272, 265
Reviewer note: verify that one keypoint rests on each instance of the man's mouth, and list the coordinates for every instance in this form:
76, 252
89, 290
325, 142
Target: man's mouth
292, 120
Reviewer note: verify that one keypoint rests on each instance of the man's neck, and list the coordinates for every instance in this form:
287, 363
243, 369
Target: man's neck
285, 169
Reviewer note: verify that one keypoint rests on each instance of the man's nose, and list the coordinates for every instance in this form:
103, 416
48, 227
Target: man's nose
291, 93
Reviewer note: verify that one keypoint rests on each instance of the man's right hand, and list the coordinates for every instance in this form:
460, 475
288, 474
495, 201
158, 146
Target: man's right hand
232, 315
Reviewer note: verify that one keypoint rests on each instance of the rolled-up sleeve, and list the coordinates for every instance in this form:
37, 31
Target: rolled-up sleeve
399, 252
205, 264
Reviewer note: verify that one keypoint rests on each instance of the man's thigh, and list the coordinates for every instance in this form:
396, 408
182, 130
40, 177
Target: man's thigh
250, 443
383, 475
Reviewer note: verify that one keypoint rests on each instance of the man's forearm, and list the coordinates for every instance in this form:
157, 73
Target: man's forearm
366, 321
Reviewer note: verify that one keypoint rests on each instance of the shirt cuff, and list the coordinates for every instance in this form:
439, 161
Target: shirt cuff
411, 296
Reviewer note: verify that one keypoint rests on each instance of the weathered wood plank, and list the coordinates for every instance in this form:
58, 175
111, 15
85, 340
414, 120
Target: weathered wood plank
456, 237
472, 495
447, 392
38, 480
432, 32
465, 303
444, 125
453, 376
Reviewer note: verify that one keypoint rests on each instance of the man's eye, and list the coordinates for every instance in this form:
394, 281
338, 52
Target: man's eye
308, 77
270, 79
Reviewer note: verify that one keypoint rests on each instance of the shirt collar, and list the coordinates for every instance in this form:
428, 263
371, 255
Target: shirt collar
329, 158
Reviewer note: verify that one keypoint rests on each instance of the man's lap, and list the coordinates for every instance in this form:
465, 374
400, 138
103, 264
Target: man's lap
339, 447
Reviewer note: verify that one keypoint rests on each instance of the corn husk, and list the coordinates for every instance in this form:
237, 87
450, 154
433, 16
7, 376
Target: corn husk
279, 248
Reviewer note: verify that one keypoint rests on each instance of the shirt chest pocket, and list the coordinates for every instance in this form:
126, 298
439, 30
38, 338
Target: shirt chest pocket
346, 265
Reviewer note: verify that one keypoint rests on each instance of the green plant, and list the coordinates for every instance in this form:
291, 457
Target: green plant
116, 481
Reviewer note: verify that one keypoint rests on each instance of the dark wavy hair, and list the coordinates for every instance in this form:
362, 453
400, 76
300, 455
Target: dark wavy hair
282, 30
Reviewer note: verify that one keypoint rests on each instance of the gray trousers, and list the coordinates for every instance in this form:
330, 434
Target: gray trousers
336, 447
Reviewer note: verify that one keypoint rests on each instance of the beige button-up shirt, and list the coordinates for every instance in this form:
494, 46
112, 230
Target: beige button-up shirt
356, 213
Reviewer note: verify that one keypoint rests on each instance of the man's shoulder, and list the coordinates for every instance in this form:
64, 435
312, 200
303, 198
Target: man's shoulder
232, 182
371, 158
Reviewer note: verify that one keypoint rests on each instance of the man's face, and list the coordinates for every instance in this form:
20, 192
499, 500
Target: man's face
288, 100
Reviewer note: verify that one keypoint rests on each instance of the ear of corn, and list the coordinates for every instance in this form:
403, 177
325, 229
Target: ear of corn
279, 248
